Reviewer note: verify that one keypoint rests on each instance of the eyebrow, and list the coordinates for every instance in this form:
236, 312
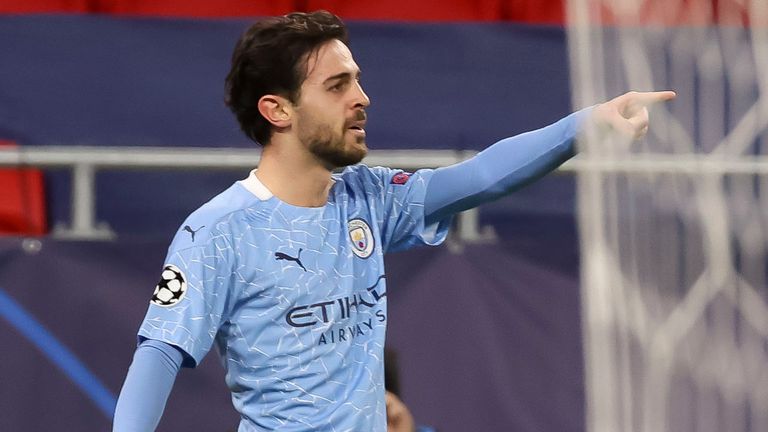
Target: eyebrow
340, 76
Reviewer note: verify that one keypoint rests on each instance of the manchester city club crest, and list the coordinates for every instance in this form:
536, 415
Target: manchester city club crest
362, 238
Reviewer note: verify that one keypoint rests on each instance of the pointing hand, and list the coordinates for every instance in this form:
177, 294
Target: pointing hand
628, 113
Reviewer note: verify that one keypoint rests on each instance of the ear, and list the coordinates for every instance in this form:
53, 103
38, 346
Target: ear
276, 109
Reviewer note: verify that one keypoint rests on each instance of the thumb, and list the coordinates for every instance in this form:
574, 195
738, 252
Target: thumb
639, 122
608, 116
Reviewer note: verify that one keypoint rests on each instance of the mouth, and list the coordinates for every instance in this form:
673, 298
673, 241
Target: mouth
357, 128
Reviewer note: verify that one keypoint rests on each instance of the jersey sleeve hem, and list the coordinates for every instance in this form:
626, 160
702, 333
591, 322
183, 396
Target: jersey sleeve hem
189, 361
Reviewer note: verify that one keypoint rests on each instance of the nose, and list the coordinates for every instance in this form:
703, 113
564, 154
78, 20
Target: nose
361, 99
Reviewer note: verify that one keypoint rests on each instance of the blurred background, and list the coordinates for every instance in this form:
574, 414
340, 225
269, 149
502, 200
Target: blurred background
580, 303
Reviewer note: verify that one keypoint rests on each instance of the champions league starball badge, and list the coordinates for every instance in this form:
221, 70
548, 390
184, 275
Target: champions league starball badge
171, 287
362, 238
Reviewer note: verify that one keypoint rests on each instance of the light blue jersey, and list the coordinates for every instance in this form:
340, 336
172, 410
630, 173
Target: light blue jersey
294, 298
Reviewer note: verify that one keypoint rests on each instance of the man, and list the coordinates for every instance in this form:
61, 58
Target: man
284, 270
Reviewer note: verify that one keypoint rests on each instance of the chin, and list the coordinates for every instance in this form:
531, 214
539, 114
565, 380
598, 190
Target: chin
351, 158
341, 153
361, 147
342, 159
353, 153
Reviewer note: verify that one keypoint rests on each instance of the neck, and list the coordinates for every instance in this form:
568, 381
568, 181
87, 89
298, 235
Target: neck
296, 178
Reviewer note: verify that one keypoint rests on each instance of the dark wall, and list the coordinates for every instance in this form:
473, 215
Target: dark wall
98, 80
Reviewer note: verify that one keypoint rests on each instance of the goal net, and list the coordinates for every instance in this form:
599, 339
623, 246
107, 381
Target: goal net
674, 228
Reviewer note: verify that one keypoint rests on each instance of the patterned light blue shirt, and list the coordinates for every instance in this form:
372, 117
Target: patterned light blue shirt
294, 298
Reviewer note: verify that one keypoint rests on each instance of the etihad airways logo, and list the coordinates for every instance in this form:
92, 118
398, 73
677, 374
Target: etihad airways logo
334, 309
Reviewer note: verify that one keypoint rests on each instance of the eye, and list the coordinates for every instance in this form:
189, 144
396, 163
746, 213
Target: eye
337, 87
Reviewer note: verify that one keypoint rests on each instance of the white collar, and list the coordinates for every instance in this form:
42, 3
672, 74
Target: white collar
256, 187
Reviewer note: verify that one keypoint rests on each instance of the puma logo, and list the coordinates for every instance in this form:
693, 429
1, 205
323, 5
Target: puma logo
279, 256
192, 232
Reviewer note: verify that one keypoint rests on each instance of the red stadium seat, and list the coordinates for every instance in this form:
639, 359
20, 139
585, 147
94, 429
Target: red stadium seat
194, 8
535, 11
652, 12
408, 10
43, 6
22, 200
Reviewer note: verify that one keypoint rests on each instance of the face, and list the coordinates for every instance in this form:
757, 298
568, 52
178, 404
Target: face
330, 113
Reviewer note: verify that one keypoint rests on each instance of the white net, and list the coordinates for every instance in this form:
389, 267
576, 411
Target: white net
674, 228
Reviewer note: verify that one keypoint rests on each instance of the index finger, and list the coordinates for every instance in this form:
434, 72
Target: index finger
647, 98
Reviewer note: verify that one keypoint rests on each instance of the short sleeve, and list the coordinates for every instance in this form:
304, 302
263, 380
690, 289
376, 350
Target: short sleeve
190, 301
403, 224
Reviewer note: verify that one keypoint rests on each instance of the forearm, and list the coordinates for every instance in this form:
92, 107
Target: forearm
502, 168
147, 386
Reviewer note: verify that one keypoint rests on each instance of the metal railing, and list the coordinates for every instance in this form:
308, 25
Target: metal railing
84, 162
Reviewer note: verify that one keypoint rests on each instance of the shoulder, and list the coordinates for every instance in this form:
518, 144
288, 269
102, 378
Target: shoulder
380, 178
366, 177
215, 219
362, 170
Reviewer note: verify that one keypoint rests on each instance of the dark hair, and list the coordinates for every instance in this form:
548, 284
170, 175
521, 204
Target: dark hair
271, 58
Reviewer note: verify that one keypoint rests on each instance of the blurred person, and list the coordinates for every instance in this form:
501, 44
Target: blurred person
284, 270
399, 417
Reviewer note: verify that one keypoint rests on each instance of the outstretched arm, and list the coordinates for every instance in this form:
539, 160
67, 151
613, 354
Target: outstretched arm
147, 386
514, 162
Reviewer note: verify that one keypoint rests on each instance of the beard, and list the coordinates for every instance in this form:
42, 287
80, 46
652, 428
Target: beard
332, 149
